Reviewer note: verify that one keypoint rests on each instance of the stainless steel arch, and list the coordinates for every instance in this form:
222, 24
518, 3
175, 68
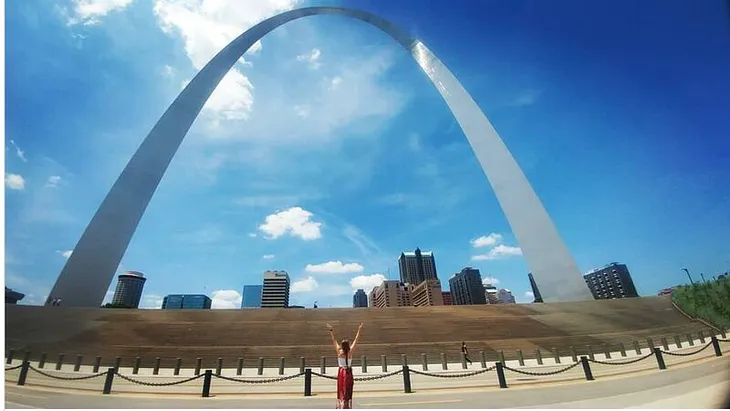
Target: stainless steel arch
90, 270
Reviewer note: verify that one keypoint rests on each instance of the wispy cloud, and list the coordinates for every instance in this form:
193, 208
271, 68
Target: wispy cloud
18, 152
499, 252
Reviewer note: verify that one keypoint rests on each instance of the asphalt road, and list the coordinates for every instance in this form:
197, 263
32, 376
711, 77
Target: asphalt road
703, 385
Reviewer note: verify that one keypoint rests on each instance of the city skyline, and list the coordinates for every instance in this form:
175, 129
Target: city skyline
51, 190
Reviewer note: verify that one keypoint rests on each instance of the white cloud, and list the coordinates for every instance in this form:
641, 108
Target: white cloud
207, 27
89, 12
486, 240
14, 181
225, 299
499, 252
304, 285
367, 282
18, 152
53, 181
253, 235
167, 70
529, 294
295, 221
490, 280
268, 256
312, 58
65, 253
334, 267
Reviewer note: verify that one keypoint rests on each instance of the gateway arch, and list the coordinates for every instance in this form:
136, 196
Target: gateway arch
90, 270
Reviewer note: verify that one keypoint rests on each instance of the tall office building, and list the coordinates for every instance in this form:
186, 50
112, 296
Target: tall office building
251, 296
129, 289
491, 294
186, 302
391, 293
427, 293
446, 296
535, 290
611, 281
467, 288
417, 267
360, 299
505, 297
275, 293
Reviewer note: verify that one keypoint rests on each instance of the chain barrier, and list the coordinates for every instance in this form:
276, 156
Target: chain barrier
722, 340
324, 376
268, 381
377, 377
539, 374
687, 354
58, 377
13, 368
158, 384
635, 360
466, 374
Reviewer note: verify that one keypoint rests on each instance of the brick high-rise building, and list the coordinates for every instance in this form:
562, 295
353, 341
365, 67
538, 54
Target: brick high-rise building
391, 293
417, 267
427, 293
446, 295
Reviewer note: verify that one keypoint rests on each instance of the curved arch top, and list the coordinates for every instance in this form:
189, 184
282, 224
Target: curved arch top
90, 270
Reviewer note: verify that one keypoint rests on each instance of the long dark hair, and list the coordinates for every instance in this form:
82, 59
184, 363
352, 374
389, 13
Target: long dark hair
345, 350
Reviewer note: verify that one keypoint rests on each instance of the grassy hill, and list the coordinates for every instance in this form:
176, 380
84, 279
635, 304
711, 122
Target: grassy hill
709, 301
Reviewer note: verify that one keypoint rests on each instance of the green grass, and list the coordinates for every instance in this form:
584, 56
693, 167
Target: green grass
709, 301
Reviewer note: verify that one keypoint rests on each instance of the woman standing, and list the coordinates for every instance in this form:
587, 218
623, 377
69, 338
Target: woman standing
345, 381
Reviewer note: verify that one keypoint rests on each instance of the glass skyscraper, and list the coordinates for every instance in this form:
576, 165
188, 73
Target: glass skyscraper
186, 301
251, 296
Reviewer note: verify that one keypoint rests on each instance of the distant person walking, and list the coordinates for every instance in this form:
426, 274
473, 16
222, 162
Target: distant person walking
465, 351
345, 381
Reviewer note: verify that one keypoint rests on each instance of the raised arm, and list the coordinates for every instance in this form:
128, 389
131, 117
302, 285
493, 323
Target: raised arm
334, 339
357, 337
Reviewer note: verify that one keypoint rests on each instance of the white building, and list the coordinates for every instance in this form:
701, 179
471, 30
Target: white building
505, 296
275, 293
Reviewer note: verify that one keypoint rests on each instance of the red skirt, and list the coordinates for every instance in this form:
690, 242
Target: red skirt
345, 383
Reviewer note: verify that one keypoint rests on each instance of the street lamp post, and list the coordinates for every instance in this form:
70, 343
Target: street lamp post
703, 277
690, 277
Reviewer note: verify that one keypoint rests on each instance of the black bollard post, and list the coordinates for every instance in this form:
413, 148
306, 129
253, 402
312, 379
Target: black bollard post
444, 364
406, 380
97, 364
556, 356
23, 372
622, 348
677, 341
79, 359
716, 346
483, 357
137, 363
424, 361
178, 365
198, 365
500, 375
302, 364
308, 382
665, 344
586, 368
118, 363
42, 362
538, 356
59, 364
11, 354
27, 355
281, 366
206, 383
521, 358
702, 337
500, 356
364, 364
690, 340
723, 333
403, 359
261, 366
607, 351
659, 358
463, 361
219, 366
156, 370
590, 353
573, 354
384, 363
323, 365
109, 381
239, 367
637, 348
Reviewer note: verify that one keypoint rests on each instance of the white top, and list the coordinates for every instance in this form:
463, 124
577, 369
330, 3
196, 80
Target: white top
341, 362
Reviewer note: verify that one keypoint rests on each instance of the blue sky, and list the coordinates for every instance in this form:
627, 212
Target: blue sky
326, 152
